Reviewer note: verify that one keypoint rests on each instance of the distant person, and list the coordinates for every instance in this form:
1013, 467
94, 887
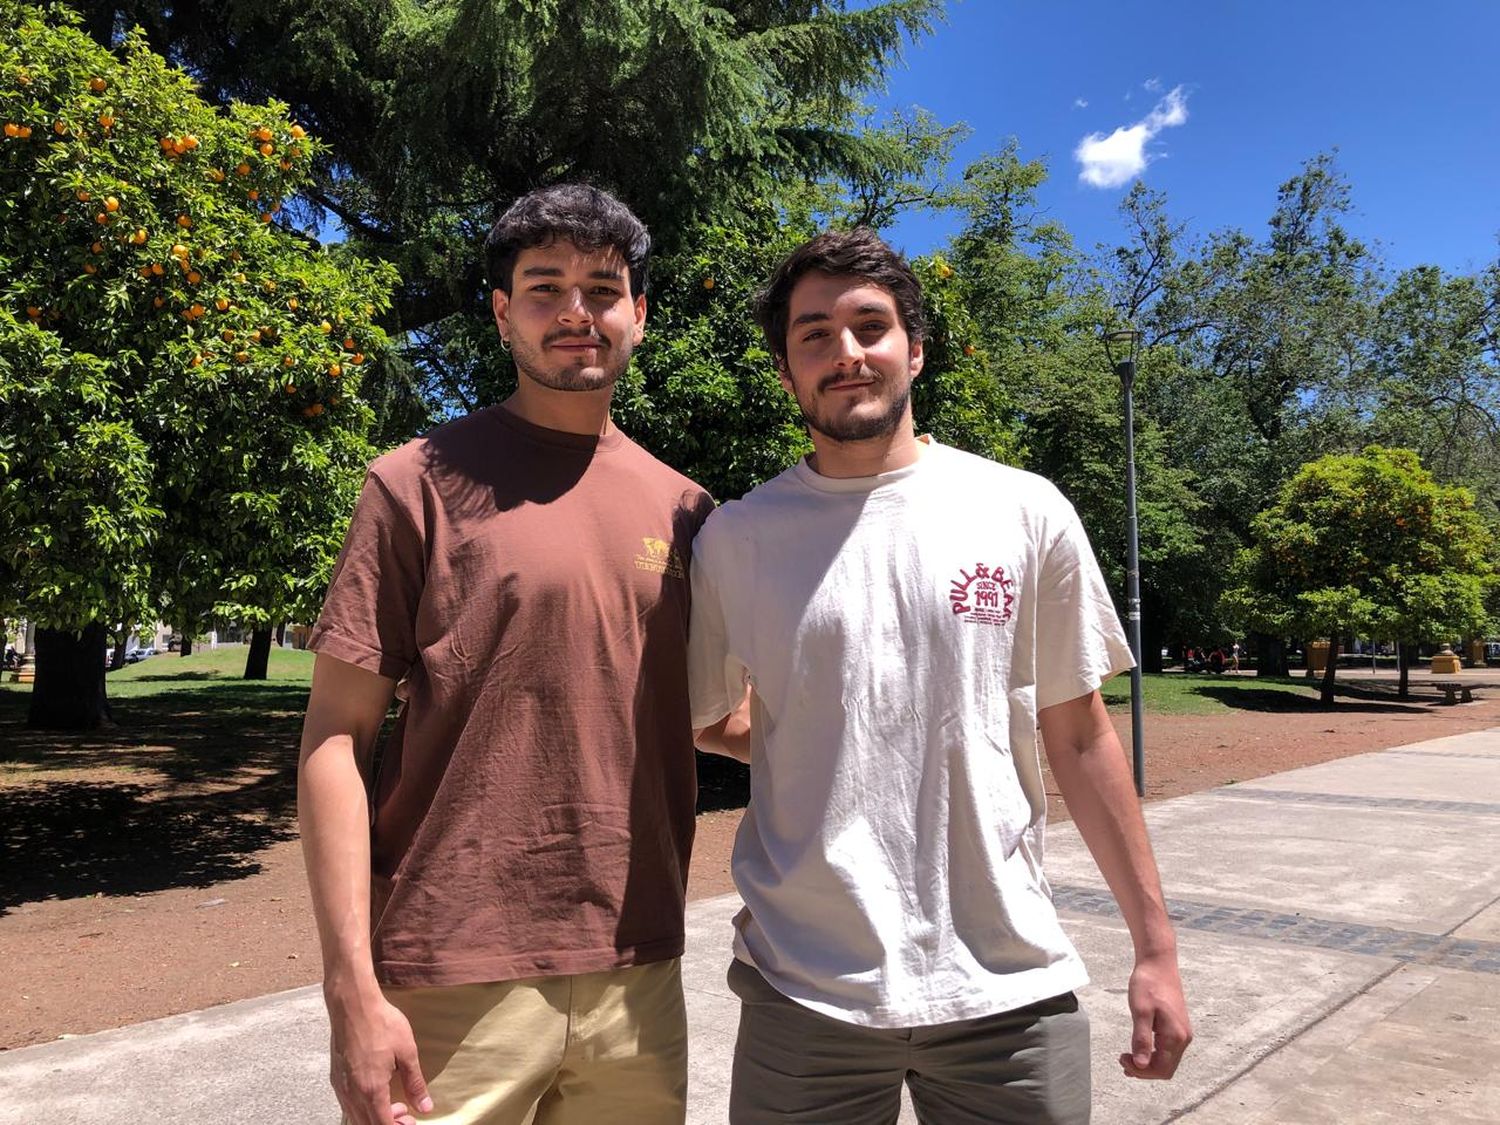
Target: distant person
500, 896
908, 615
1216, 662
1234, 657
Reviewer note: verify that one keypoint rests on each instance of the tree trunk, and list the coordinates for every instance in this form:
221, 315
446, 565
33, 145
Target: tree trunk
69, 690
185, 648
1403, 662
1151, 640
1325, 694
1270, 654
257, 662
281, 635
117, 656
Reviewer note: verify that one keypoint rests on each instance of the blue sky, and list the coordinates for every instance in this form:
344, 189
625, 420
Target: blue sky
1233, 97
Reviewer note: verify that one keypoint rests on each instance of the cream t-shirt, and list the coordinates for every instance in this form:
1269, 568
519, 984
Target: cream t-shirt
901, 632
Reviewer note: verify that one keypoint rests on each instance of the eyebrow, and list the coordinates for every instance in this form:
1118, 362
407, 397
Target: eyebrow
817, 317
556, 271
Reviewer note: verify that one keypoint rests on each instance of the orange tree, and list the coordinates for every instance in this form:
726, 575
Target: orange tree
179, 419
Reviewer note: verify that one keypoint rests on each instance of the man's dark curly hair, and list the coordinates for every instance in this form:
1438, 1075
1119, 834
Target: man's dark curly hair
578, 213
857, 253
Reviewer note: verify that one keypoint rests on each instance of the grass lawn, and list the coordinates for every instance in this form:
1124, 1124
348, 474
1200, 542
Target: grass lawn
1183, 693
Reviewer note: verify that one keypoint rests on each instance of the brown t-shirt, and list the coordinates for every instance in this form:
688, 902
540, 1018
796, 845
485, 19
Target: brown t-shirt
533, 808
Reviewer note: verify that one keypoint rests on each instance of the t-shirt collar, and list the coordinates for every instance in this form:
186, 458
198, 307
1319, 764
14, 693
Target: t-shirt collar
819, 483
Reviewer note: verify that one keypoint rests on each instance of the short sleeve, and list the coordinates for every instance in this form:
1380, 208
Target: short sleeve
1079, 641
716, 680
370, 612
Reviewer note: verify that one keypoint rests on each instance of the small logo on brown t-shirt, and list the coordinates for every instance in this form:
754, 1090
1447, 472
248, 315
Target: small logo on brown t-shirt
659, 557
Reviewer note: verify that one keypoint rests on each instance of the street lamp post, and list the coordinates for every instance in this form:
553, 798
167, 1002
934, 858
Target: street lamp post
1122, 346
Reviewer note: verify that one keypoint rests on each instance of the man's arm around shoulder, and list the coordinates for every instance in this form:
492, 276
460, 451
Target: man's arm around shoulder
371, 1039
1089, 765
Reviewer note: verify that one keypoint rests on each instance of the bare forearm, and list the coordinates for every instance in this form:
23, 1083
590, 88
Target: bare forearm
1091, 773
730, 736
334, 816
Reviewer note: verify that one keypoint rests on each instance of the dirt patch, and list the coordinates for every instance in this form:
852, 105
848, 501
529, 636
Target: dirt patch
129, 895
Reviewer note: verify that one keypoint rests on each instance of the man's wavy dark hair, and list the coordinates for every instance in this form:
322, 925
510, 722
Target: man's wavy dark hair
857, 253
578, 213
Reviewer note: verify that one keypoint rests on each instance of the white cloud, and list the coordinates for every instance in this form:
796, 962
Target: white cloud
1080, 103
1152, 84
1114, 160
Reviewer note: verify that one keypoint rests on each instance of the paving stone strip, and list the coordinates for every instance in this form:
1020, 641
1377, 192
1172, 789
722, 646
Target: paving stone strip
1412, 946
1412, 804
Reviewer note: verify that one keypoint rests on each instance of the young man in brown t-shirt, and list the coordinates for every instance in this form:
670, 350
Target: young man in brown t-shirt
500, 900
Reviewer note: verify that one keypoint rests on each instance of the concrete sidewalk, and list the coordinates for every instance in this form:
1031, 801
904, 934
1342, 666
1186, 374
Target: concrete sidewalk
1340, 941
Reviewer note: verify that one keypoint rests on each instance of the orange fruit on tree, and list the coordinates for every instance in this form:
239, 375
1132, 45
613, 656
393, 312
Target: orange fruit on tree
241, 357
158, 269
292, 304
166, 144
60, 128
325, 328
196, 361
286, 165
84, 196
216, 175
101, 218
288, 361
334, 371
190, 142
265, 216
158, 302
254, 193
184, 222
24, 132
358, 358
267, 149
97, 248
349, 342
195, 311
263, 134
194, 277
299, 132
221, 303
12, 129
242, 169
111, 204
291, 388
255, 335
89, 267
139, 237
97, 84
145, 271
33, 312
106, 120
227, 335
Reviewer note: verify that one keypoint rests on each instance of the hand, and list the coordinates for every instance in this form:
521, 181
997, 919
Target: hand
370, 1044
1161, 1031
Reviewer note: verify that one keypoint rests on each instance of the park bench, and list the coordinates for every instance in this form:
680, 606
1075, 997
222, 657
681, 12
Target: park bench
1454, 692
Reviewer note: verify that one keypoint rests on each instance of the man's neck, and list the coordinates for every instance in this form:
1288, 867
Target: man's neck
867, 458
571, 412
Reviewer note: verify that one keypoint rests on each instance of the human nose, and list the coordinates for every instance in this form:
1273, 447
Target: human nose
574, 309
848, 351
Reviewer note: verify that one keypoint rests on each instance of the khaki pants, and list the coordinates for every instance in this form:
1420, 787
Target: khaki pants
605, 1048
791, 1064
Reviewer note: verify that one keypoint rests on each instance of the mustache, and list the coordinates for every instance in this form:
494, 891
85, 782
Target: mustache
595, 337
837, 377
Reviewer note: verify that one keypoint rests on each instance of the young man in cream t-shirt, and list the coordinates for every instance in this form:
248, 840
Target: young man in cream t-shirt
908, 615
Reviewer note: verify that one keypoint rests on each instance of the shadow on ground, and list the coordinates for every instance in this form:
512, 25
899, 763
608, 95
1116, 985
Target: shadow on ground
1349, 698
723, 783
183, 790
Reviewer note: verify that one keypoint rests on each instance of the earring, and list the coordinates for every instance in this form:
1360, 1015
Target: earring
504, 345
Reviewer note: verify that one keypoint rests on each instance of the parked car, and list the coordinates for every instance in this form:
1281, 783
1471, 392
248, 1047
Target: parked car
135, 656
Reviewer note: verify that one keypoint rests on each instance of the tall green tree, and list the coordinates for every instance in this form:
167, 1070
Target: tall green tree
162, 340
437, 114
1367, 544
